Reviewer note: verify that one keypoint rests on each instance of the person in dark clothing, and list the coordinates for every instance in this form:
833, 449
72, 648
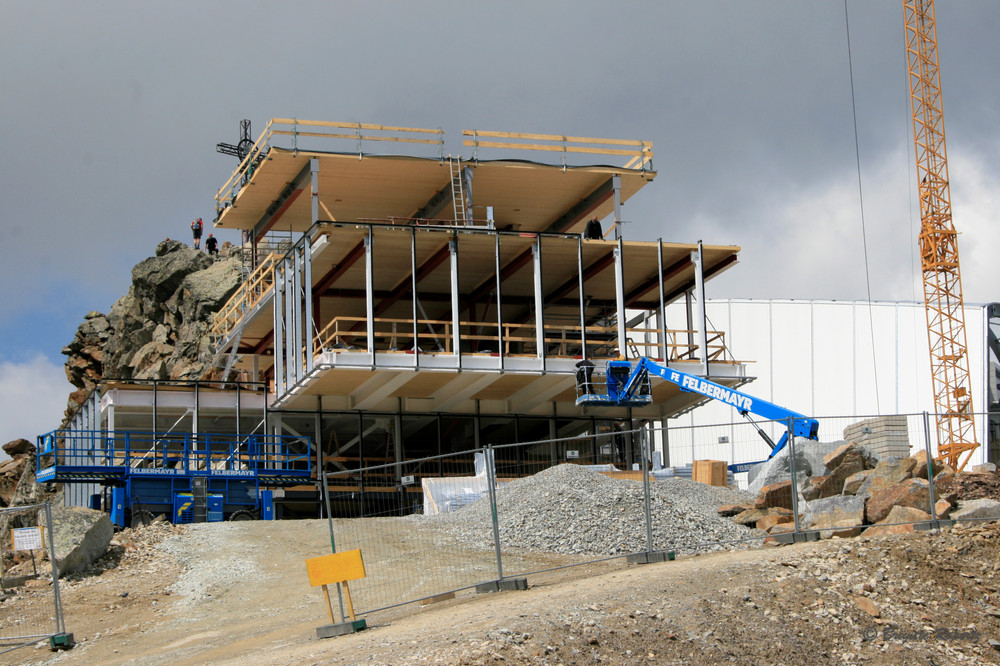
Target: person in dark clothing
584, 377
593, 230
212, 245
196, 227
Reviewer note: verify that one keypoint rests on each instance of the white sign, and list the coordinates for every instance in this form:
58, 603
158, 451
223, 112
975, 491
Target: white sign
572, 454
27, 538
407, 480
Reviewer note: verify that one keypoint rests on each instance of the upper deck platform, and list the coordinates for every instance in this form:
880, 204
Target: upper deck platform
354, 184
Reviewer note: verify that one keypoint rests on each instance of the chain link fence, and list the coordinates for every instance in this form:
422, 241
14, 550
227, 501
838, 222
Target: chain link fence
476, 519
25, 536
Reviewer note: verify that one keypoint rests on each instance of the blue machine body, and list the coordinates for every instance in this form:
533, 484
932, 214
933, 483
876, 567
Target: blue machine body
151, 473
629, 386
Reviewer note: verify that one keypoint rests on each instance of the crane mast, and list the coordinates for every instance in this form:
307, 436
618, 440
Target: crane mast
938, 243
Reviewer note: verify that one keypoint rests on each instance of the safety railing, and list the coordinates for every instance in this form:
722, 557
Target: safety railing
397, 335
249, 294
103, 454
320, 135
639, 152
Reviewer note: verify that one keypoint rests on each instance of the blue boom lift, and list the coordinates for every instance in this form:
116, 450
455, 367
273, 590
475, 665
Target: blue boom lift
187, 477
629, 386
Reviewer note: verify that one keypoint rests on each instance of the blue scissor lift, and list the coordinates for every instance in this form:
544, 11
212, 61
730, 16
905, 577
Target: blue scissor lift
204, 477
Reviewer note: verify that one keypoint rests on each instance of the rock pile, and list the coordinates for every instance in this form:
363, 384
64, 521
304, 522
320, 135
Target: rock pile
573, 510
855, 495
159, 329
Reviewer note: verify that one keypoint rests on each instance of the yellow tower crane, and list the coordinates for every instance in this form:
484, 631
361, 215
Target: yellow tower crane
938, 243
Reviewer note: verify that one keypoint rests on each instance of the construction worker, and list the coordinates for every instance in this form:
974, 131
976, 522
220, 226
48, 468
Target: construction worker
212, 245
196, 228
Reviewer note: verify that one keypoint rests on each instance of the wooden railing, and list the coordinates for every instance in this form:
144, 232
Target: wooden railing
396, 335
249, 294
294, 129
640, 152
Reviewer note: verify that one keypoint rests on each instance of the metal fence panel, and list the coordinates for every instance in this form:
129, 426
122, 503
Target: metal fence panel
27, 618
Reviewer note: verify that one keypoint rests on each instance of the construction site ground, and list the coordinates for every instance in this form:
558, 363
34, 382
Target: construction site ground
927, 597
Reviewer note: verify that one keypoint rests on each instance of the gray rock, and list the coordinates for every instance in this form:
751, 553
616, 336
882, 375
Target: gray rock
979, 508
809, 456
832, 512
80, 537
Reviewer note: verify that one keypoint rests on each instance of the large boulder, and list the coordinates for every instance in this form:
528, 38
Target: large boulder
809, 456
913, 493
976, 509
18, 447
833, 512
887, 473
80, 537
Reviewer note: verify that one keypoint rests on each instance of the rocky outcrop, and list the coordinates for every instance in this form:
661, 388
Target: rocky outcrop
160, 328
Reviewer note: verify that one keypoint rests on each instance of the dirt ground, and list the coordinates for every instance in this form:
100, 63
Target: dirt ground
231, 593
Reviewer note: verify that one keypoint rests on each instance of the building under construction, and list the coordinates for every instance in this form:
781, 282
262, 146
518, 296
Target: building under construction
400, 303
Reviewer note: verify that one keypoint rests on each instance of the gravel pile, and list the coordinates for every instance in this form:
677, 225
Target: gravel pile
203, 578
573, 510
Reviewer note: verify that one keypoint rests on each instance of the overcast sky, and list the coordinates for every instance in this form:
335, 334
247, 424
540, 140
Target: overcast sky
111, 112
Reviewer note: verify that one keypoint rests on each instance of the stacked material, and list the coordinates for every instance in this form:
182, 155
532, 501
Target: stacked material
572, 510
885, 436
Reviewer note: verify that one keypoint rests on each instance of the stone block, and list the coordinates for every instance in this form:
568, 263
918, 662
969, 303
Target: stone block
981, 509
887, 473
728, 510
886, 530
831, 512
905, 514
942, 508
812, 487
751, 516
913, 493
843, 530
776, 494
854, 482
767, 522
80, 536
920, 468
985, 468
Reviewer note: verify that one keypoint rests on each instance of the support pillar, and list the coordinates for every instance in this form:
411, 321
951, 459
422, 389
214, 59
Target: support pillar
370, 292
699, 292
456, 333
620, 300
536, 255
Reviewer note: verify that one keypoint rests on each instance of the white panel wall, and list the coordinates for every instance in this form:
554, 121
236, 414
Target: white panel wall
816, 357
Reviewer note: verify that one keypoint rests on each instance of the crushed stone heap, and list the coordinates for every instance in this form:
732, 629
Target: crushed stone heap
577, 511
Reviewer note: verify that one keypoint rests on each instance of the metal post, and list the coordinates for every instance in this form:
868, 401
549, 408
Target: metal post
697, 258
620, 299
491, 481
310, 325
413, 290
57, 598
536, 252
333, 544
795, 489
500, 343
616, 187
456, 333
370, 292
583, 303
279, 331
645, 494
930, 468
663, 305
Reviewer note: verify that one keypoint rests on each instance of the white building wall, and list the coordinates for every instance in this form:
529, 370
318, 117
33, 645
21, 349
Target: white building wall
816, 358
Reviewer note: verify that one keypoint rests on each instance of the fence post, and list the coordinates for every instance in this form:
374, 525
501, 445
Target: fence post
795, 489
333, 543
60, 623
930, 468
645, 493
491, 482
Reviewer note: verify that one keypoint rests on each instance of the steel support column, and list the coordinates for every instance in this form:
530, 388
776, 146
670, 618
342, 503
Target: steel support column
500, 344
662, 314
536, 256
583, 302
279, 331
456, 334
370, 291
620, 299
699, 287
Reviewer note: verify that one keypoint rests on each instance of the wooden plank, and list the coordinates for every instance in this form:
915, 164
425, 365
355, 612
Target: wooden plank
364, 126
355, 137
335, 568
554, 149
554, 137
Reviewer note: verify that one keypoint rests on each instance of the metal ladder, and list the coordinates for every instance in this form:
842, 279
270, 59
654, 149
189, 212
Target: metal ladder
457, 190
199, 491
